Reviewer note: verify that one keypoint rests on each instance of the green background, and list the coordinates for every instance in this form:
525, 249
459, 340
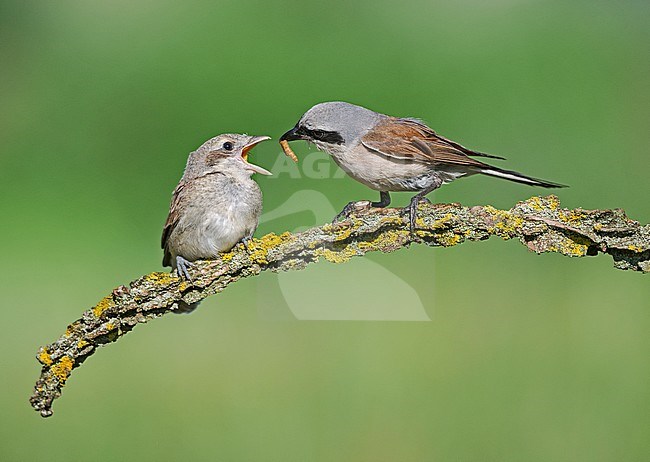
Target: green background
526, 357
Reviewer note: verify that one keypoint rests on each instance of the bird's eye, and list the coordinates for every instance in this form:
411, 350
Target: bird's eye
228, 146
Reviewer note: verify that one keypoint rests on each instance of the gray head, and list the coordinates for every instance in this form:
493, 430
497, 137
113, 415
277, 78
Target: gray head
333, 124
226, 153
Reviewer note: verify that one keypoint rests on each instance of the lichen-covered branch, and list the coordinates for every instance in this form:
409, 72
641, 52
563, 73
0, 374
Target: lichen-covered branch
539, 223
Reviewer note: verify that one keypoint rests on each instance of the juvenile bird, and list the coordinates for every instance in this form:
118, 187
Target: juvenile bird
393, 154
216, 203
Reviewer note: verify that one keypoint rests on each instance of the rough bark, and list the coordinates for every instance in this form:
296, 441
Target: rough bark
539, 223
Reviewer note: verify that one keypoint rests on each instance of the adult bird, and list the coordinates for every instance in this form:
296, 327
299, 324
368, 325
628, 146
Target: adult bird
390, 154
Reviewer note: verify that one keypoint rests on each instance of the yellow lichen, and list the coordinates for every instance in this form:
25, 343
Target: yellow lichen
419, 223
438, 224
441, 222
160, 278
535, 203
635, 248
573, 249
449, 239
343, 234
382, 242
259, 248
571, 217
183, 286
507, 224
44, 357
392, 220
496, 212
543, 203
366, 246
69, 330
103, 305
553, 202
62, 369
114, 331
81, 343
337, 257
228, 256
576, 247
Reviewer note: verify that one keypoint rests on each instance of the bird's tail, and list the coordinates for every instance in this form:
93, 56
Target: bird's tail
518, 177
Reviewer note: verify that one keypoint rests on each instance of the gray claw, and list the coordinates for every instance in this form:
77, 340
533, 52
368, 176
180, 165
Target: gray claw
181, 266
413, 214
343, 213
351, 207
245, 240
412, 211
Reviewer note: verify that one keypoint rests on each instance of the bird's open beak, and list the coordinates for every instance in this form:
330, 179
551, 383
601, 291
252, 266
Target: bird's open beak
244, 155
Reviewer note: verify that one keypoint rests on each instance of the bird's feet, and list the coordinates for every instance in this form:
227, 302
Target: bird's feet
412, 211
355, 206
181, 266
245, 242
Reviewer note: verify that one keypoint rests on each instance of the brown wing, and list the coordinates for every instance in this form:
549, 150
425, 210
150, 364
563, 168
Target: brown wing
170, 224
409, 139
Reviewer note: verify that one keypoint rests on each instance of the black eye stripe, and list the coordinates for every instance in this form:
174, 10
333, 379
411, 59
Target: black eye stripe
321, 135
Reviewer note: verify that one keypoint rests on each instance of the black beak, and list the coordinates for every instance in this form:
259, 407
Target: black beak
292, 135
302, 133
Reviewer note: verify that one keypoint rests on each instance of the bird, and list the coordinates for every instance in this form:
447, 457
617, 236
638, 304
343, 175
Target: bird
390, 154
215, 205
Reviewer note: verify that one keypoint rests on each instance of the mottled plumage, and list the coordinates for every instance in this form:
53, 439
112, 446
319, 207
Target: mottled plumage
216, 203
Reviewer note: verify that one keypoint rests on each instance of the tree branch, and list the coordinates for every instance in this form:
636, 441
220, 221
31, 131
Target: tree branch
539, 223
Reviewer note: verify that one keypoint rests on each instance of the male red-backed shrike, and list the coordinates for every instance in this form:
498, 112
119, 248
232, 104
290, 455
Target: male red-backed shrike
393, 154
